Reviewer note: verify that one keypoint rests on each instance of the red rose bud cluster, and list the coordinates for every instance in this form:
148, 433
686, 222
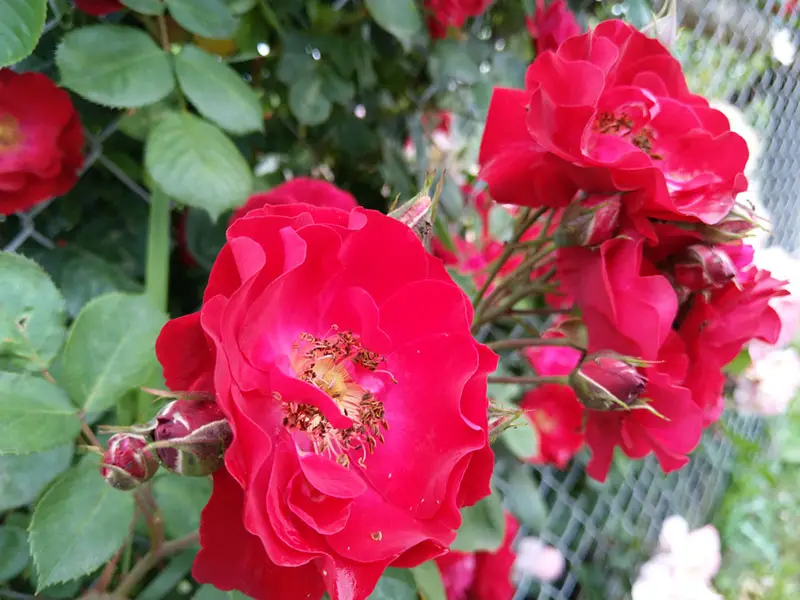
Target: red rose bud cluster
359, 428
128, 462
191, 437
642, 176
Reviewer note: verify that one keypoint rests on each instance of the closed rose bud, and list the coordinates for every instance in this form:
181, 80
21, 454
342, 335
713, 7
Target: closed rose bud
702, 267
127, 462
417, 214
740, 223
605, 382
191, 437
589, 222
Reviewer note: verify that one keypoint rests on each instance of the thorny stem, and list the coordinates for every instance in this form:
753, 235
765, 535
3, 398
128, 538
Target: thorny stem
528, 379
528, 342
150, 560
508, 250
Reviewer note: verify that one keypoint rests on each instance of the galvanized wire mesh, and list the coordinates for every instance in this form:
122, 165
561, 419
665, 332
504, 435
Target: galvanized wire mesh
606, 531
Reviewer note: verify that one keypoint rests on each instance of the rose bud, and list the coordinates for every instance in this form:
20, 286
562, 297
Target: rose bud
128, 462
590, 221
191, 437
417, 214
740, 223
701, 267
606, 382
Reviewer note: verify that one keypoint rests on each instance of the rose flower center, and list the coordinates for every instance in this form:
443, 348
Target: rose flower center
334, 365
624, 127
10, 134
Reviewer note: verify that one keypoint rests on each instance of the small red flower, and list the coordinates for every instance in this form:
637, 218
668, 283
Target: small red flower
481, 575
98, 8
41, 141
631, 125
452, 13
557, 416
551, 25
316, 192
127, 462
359, 420
719, 324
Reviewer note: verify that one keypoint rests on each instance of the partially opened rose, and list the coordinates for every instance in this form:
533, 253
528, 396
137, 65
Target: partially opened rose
340, 352
41, 141
452, 13
631, 124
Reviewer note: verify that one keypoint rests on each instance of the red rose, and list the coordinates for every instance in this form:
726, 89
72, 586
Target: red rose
550, 26
717, 327
316, 192
340, 352
626, 306
482, 575
557, 416
452, 13
631, 124
671, 429
553, 360
99, 8
40, 141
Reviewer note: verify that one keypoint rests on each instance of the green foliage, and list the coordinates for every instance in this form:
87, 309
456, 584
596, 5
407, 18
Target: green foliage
483, 526
145, 7
110, 349
35, 415
395, 584
194, 162
114, 66
78, 524
401, 18
23, 477
22, 22
429, 582
207, 18
13, 551
31, 315
218, 92
181, 499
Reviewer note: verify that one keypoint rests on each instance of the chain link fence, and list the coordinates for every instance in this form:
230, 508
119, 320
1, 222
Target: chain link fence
737, 51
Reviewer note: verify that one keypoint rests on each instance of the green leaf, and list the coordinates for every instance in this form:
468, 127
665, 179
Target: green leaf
308, 102
218, 92
483, 526
209, 592
195, 163
181, 499
110, 349
395, 584
78, 524
522, 438
24, 477
399, 17
429, 581
115, 66
13, 552
35, 415
145, 7
524, 498
31, 315
337, 89
207, 18
204, 238
448, 61
21, 23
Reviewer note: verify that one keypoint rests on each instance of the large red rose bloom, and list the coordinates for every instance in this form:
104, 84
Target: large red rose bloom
98, 8
481, 575
301, 189
631, 125
41, 141
340, 352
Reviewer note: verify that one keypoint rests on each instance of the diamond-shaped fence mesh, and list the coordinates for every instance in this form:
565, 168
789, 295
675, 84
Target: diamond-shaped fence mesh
740, 52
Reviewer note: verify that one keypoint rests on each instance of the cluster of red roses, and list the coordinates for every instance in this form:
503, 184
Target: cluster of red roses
643, 177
